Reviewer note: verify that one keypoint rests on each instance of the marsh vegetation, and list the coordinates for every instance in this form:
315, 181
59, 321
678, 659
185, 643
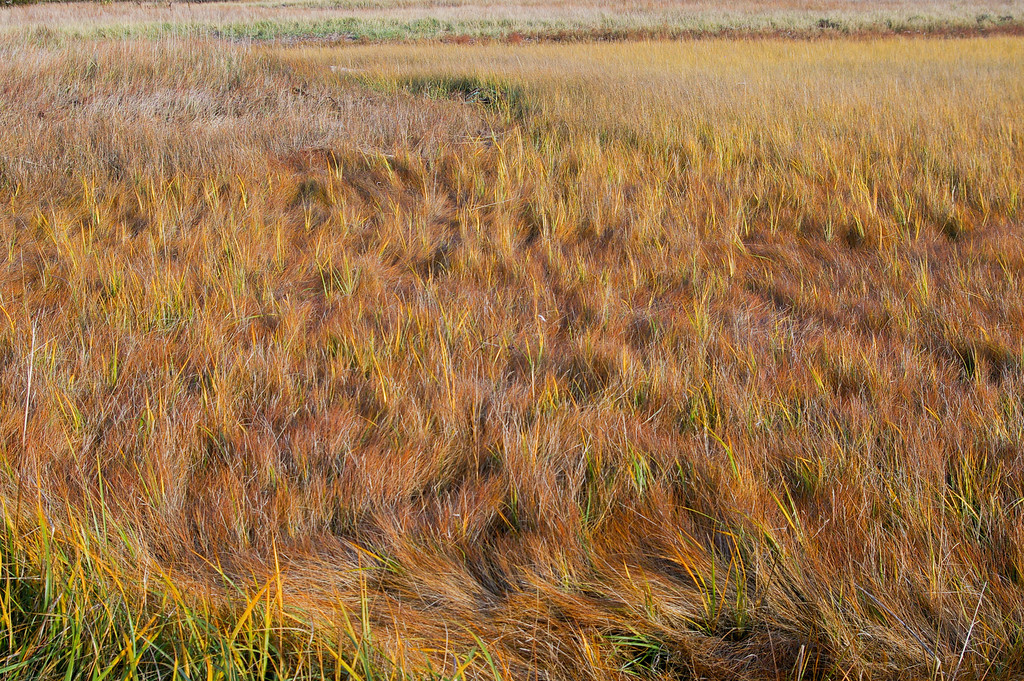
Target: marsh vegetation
692, 359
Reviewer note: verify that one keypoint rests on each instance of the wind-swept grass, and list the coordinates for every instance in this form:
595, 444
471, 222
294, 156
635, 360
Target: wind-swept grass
692, 360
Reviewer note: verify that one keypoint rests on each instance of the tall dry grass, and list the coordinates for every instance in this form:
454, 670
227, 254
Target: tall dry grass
398, 20
661, 359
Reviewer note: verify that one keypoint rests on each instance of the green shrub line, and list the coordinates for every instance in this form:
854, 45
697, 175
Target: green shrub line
383, 30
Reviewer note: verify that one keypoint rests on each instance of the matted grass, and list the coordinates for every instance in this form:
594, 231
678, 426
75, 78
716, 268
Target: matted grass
670, 359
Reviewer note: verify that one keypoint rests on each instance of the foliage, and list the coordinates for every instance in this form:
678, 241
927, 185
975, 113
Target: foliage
694, 359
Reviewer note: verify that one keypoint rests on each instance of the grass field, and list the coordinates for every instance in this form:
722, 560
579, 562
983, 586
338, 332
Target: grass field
660, 359
516, 20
